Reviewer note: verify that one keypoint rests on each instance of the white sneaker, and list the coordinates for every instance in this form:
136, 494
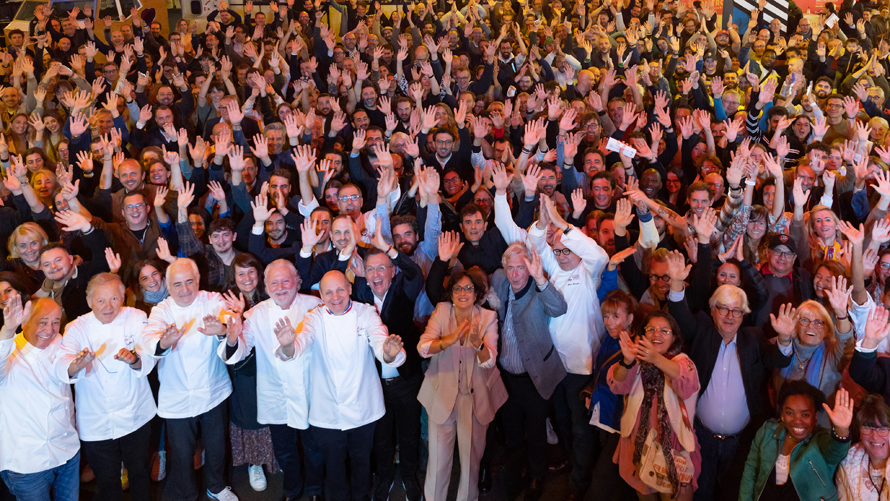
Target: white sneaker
257, 477
223, 495
552, 438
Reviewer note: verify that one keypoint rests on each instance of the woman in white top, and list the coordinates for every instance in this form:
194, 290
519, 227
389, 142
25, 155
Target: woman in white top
862, 475
462, 388
39, 446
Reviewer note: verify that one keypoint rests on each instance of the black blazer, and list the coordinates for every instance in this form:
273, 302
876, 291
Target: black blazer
397, 312
757, 356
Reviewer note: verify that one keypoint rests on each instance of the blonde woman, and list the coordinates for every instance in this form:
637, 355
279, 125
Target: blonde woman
24, 246
819, 342
817, 237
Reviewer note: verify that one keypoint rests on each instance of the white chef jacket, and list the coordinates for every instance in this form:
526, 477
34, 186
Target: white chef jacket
578, 333
343, 382
193, 378
282, 387
113, 400
37, 430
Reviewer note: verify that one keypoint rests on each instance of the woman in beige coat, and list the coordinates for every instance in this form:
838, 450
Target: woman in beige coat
462, 388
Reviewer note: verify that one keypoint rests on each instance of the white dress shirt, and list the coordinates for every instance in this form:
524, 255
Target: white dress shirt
282, 388
193, 378
37, 430
344, 385
578, 333
113, 400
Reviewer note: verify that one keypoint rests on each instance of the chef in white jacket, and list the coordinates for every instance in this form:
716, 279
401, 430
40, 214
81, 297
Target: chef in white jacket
114, 401
342, 339
39, 447
575, 264
282, 386
183, 333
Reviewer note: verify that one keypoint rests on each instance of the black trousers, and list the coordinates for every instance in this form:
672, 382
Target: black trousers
575, 430
285, 441
106, 457
607, 484
336, 445
524, 416
181, 441
402, 413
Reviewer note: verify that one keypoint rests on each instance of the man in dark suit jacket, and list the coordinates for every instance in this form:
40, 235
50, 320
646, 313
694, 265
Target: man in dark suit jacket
394, 295
731, 361
445, 158
66, 282
530, 366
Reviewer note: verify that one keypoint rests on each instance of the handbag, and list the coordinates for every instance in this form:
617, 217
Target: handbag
653, 467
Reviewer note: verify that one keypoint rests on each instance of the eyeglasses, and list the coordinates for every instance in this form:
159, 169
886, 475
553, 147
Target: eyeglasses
662, 278
660, 330
786, 255
443, 142
834, 105
453, 180
806, 321
457, 289
379, 269
735, 312
885, 266
564, 252
349, 198
133, 207
881, 432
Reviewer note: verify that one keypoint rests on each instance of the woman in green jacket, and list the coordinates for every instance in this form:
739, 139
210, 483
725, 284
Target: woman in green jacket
793, 459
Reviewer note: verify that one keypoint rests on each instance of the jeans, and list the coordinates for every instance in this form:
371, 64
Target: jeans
575, 430
63, 482
718, 458
287, 452
336, 445
105, 458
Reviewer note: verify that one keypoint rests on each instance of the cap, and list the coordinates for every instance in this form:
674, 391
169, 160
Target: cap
709, 55
779, 240
148, 15
722, 32
548, 40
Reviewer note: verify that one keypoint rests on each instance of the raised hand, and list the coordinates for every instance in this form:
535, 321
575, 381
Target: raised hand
677, 267
171, 335
705, 225
213, 326
449, 245
286, 334
235, 304
14, 314
786, 323
392, 346
310, 234
842, 414
186, 196
839, 295
114, 260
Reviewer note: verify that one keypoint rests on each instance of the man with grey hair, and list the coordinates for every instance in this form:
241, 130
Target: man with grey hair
530, 372
733, 363
271, 150
112, 429
282, 388
183, 332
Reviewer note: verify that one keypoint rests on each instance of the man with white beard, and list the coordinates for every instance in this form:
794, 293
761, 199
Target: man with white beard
194, 381
114, 401
282, 387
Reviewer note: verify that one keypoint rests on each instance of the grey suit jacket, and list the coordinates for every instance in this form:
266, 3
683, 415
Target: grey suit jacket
531, 314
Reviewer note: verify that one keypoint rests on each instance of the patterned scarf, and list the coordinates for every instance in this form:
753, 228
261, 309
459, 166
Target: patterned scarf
653, 386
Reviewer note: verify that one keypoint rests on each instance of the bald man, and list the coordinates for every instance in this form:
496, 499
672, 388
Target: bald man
282, 386
342, 339
39, 446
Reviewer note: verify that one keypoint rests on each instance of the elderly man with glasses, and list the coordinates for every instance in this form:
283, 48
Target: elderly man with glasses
733, 363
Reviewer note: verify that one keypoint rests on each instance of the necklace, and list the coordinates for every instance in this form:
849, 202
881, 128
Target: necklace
803, 363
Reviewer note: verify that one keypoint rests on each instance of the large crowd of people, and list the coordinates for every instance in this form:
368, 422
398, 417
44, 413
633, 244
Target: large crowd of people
631, 241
